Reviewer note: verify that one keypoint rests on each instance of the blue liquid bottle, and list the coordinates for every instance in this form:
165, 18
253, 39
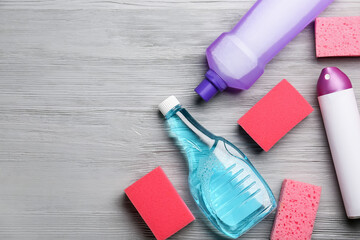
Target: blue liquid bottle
223, 182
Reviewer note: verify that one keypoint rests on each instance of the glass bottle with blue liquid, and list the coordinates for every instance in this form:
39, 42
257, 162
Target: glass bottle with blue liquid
226, 186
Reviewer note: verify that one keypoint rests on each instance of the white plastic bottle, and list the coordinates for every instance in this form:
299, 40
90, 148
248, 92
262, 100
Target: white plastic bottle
342, 123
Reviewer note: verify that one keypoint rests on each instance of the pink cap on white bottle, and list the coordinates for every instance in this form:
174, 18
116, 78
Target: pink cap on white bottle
332, 80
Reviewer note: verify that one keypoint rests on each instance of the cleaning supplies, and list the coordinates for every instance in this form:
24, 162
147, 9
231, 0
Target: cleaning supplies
298, 205
238, 58
159, 204
222, 181
275, 114
337, 36
342, 124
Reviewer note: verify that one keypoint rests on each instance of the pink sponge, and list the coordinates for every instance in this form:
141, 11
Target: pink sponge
296, 212
337, 36
275, 114
159, 204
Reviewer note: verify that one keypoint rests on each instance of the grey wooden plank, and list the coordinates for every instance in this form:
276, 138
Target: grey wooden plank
80, 82
343, 6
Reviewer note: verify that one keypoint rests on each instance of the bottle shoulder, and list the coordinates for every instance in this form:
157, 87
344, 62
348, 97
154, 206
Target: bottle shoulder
234, 61
223, 145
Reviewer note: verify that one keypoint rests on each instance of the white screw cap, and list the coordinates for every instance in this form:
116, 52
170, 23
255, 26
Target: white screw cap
168, 104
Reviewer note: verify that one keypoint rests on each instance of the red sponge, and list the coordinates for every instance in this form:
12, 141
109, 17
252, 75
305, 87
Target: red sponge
296, 212
337, 36
159, 204
275, 114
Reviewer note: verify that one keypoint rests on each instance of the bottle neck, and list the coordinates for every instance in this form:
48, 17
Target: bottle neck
207, 137
173, 111
212, 84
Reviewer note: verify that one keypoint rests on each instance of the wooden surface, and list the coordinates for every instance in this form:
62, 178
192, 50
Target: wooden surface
79, 86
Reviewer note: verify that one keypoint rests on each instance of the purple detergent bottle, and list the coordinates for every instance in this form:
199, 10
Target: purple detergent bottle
238, 58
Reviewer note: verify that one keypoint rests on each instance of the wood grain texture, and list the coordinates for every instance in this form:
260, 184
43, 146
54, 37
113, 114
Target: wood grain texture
79, 86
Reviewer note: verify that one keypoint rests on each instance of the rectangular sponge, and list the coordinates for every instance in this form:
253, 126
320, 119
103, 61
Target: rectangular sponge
337, 36
275, 114
296, 212
159, 204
